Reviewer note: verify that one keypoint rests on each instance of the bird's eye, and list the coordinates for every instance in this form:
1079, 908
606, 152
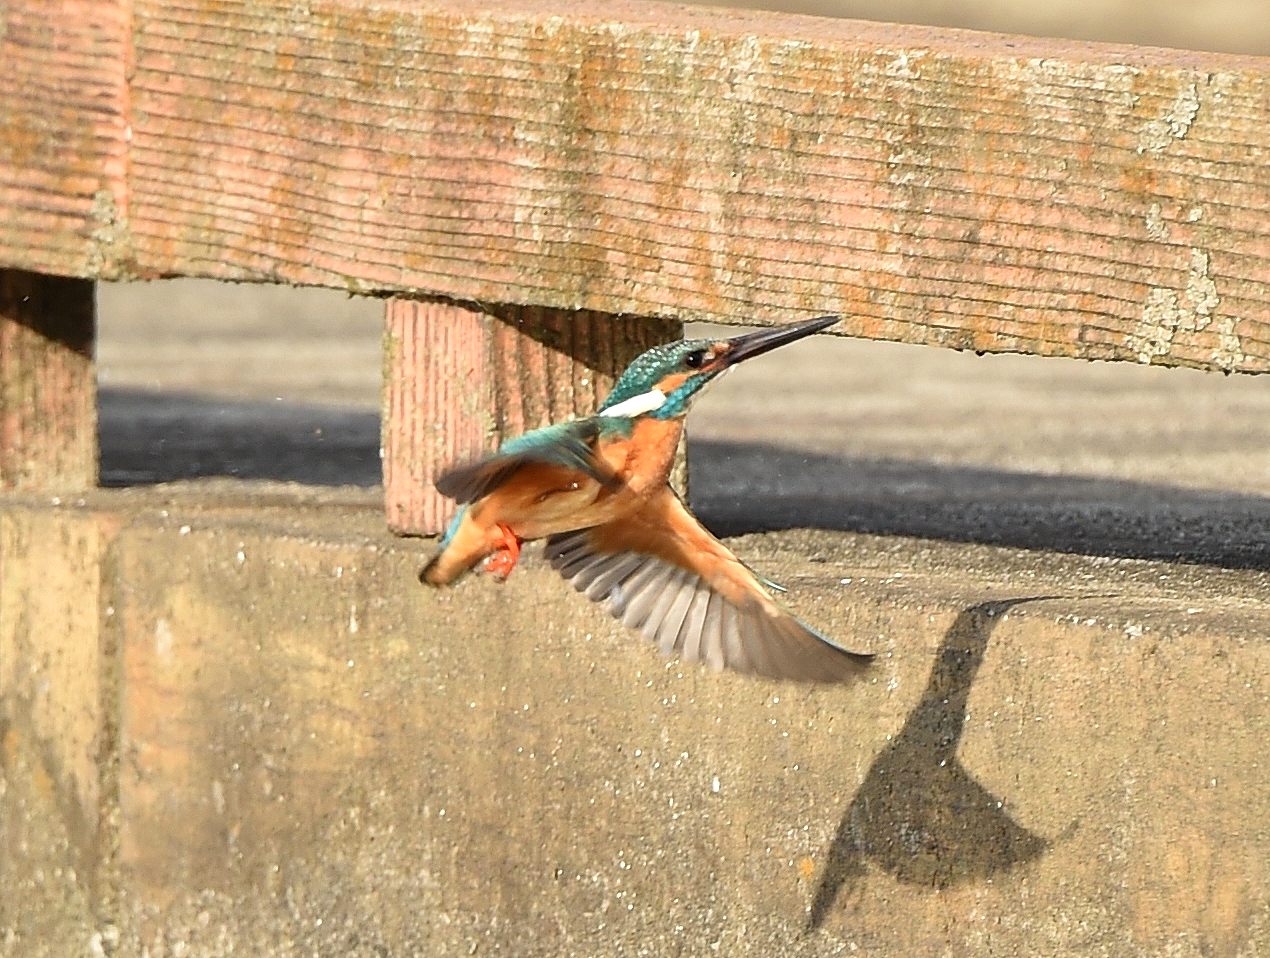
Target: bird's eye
695, 359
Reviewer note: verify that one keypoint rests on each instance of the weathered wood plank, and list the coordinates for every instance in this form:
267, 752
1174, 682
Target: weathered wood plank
459, 379
969, 190
48, 387
63, 139
933, 186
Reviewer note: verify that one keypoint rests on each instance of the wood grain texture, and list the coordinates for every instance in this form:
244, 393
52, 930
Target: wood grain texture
968, 190
460, 379
48, 388
63, 136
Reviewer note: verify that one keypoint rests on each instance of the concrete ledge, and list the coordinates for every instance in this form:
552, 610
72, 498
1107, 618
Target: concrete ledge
232, 723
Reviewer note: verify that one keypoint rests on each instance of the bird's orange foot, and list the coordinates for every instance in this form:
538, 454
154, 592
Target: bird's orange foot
505, 556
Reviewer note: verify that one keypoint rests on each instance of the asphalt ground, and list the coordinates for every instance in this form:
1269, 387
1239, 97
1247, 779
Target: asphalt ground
201, 380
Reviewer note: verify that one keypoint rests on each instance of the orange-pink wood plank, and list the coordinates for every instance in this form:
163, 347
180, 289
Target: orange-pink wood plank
63, 136
968, 190
48, 392
975, 191
459, 379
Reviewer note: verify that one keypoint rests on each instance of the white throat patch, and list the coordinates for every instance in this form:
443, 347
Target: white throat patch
637, 405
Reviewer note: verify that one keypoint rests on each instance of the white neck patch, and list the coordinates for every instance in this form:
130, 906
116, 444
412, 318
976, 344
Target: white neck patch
637, 405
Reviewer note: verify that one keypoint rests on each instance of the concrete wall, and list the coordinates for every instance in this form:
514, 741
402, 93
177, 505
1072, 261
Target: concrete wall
232, 723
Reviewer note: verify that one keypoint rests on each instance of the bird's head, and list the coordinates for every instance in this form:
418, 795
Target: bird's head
663, 382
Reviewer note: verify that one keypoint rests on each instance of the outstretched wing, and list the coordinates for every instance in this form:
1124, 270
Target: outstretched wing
662, 573
567, 444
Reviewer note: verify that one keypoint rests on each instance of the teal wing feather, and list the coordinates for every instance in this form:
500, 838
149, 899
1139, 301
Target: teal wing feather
567, 444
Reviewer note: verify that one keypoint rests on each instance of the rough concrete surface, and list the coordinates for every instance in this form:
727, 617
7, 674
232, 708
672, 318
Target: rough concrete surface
231, 722
315, 756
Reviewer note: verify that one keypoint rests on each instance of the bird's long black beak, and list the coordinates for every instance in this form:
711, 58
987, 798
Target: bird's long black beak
755, 344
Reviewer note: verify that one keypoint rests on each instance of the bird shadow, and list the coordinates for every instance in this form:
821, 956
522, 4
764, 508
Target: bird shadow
919, 815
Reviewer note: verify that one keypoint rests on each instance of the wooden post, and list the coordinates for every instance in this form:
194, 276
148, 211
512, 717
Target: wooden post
461, 378
48, 408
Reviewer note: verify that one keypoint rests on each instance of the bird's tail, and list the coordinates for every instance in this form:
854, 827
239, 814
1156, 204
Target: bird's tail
438, 572
451, 559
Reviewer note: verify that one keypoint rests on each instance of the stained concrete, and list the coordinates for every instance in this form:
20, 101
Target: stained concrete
233, 723
300, 751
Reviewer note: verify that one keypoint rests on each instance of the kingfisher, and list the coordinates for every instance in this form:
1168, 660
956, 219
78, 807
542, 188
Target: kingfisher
596, 489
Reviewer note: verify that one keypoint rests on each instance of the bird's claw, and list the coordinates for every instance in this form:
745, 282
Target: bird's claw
506, 554
499, 565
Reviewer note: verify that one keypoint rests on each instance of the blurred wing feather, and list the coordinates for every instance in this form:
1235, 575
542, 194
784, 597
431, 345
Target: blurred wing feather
570, 445
662, 573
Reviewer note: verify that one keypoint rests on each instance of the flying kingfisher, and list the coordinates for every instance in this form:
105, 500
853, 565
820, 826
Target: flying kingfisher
596, 489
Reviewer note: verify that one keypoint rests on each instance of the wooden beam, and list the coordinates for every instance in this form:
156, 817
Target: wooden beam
64, 137
459, 379
938, 186
48, 391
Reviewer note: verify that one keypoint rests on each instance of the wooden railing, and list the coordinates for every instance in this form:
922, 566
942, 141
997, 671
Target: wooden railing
518, 175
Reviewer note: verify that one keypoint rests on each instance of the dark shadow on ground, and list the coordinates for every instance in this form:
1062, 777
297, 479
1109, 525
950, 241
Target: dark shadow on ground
919, 815
739, 487
151, 437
